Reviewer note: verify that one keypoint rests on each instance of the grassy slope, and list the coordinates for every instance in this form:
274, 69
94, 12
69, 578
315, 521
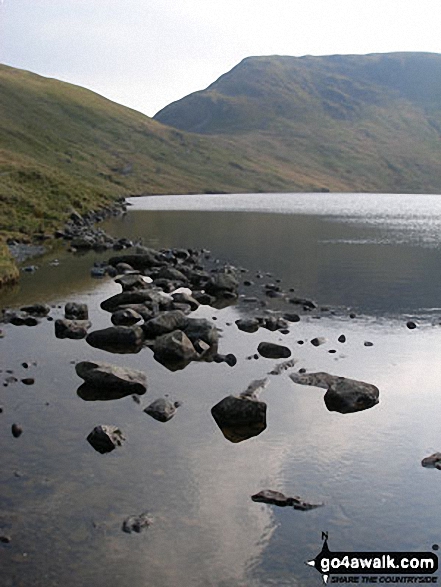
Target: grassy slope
64, 146
349, 123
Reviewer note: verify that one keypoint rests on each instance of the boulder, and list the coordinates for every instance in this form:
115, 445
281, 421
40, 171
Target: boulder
161, 409
222, 282
248, 324
171, 274
318, 340
74, 329
117, 339
343, 395
145, 260
165, 322
126, 317
76, 311
105, 438
202, 329
132, 282
185, 298
174, 350
240, 417
271, 350
112, 377
148, 296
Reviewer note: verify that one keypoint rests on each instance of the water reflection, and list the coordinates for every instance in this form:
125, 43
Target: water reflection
61, 497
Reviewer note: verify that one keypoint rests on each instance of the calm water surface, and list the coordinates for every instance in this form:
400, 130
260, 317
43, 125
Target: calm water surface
63, 504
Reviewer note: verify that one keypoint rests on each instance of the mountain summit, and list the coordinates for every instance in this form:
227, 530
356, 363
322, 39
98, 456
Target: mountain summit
372, 122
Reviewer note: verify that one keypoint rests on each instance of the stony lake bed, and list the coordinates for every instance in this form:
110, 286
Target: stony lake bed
179, 501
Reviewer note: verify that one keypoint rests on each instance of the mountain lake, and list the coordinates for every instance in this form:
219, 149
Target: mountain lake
372, 265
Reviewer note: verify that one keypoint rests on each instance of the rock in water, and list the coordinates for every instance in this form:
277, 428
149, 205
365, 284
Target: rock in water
161, 409
343, 395
105, 438
276, 498
174, 350
432, 462
117, 339
137, 523
165, 322
108, 376
248, 324
75, 311
240, 418
73, 329
271, 350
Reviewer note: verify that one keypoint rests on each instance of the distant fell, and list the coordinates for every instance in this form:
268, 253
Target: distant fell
349, 122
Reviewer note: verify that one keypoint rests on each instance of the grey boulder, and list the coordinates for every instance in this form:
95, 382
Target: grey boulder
161, 409
343, 395
117, 339
74, 329
105, 438
109, 376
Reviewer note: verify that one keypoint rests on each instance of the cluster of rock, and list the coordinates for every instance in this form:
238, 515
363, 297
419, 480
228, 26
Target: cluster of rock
159, 291
83, 235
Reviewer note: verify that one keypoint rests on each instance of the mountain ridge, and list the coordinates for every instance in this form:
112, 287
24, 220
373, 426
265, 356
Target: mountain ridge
352, 122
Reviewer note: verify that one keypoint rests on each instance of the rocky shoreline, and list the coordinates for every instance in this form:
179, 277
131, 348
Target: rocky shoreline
160, 290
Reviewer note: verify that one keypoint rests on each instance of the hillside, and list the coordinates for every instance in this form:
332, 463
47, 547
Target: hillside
349, 123
62, 146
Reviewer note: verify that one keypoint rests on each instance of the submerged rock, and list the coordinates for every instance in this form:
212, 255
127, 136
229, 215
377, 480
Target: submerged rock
161, 409
112, 377
105, 438
343, 395
281, 367
137, 523
277, 498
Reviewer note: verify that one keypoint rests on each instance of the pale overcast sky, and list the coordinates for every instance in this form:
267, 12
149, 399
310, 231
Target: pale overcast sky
148, 53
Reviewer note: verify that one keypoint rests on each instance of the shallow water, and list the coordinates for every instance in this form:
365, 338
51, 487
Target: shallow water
63, 503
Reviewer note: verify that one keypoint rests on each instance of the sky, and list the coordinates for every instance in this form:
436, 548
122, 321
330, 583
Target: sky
147, 53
